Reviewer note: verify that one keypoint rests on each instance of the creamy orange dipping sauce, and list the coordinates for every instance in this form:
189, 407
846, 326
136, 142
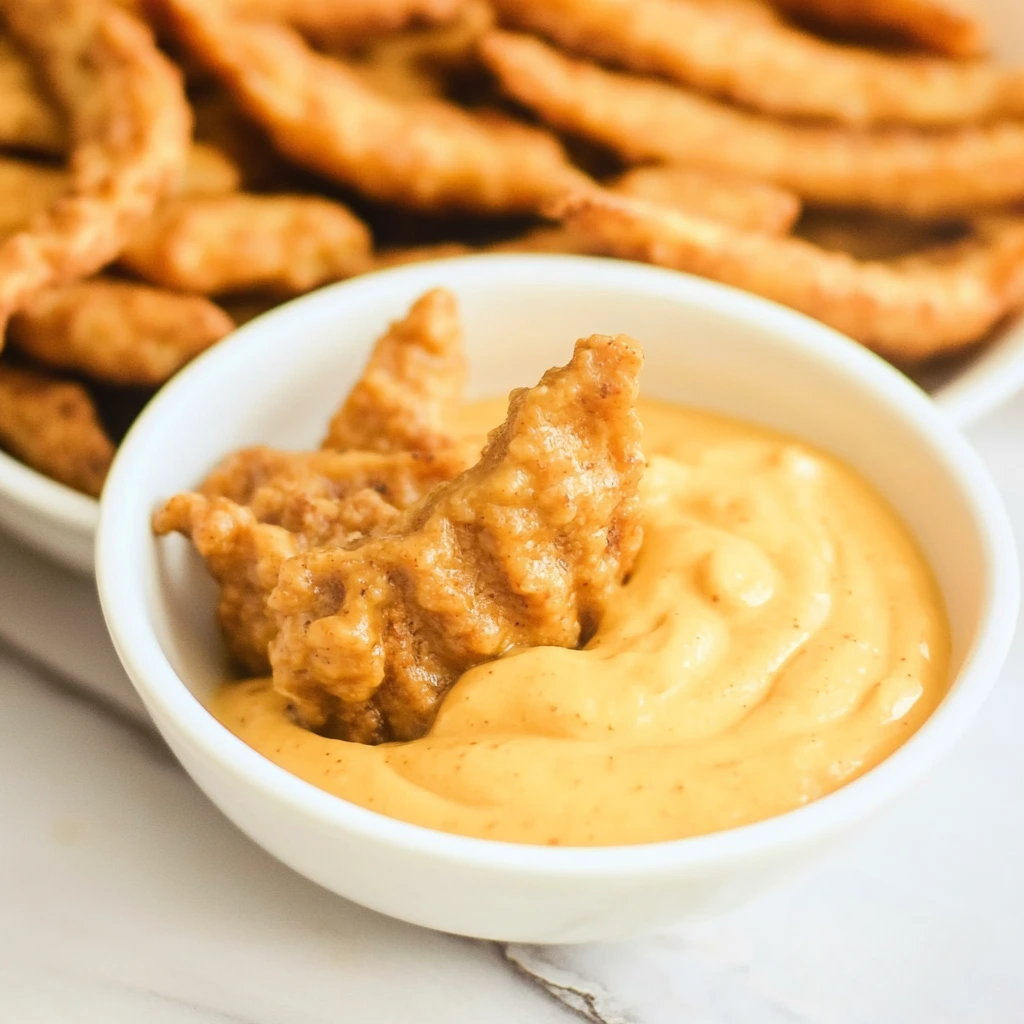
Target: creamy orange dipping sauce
779, 636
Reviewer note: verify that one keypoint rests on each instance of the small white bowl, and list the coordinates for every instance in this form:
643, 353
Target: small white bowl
277, 380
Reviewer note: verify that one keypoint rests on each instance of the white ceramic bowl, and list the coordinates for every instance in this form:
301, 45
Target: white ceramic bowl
276, 381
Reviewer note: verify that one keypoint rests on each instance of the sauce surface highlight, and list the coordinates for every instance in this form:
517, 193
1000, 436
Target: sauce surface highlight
779, 636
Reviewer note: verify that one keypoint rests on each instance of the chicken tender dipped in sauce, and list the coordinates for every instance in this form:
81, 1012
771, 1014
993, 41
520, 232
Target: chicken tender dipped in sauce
579, 631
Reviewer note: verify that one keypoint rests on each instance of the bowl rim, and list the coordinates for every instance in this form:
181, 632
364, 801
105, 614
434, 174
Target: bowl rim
173, 705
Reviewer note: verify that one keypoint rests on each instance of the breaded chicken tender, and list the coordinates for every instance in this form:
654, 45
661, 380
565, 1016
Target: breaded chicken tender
261, 506
130, 127
244, 242
947, 26
52, 426
415, 377
27, 117
118, 331
945, 173
429, 155
742, 202
906, 309
522, 549
210, 172
772, 66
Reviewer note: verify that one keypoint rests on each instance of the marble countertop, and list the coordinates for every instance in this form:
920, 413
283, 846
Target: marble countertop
127, 898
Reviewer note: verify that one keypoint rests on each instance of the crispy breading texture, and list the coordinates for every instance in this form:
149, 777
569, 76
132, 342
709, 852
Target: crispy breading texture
26, 190
429, 155
907, 309
52, 426
901, 170
946, 26
261, 506
768, 64
130, 125
242, 242
118, 331
522, 549
415, 377
27, 117
346, 22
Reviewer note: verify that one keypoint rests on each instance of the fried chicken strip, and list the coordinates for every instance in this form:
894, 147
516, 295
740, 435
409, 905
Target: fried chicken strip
117, 331
522, 549
243, 242
261, 506
742, 202
767, 64
429, 155
130, 125
900, 170
52, 426
414, 378
946, 26
210, 172
907, 309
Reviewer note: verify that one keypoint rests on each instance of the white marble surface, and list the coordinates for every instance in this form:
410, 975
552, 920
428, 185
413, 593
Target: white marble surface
126, 897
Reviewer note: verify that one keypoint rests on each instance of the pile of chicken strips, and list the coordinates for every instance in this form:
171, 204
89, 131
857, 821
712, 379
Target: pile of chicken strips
171, 168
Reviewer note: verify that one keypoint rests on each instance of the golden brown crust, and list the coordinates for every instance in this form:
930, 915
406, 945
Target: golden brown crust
245, 242
902, 170
412, 382
52, 426
718, 195
429, 155
522, 549
130, 125
347, 22
26, 190
27, 117
769, 65
946, 26
261, 506
907, 309
117, 331
210, 172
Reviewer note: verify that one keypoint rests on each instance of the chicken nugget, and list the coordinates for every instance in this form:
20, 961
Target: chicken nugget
906, 171
117, 331
428, 155
27, 117
52, 426
524, 549
130, 125
947, 26
767, 65
414, 379
243, 242
906, 309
